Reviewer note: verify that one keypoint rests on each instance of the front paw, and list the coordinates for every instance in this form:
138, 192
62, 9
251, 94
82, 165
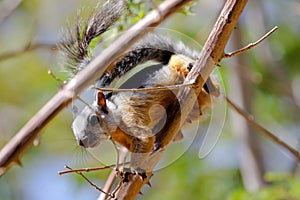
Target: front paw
125, 173
142, 173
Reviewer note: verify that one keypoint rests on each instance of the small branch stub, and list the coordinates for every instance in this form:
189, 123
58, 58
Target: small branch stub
251, 45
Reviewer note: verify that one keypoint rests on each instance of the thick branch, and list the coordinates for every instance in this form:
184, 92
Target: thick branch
251, 165
22, 140
211, 54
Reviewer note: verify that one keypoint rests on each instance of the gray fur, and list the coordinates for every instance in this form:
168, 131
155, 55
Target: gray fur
153, 47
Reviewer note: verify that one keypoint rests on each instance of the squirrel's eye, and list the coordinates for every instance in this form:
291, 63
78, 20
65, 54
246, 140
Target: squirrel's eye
94, 120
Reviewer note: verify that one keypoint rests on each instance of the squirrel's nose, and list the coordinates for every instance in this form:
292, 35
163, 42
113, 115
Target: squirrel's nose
80, 142
88, 140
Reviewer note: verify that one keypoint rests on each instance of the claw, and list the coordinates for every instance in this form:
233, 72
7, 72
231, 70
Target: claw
142, 173
126, 172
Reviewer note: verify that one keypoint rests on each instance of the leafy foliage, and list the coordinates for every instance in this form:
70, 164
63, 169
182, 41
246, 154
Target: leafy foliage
280, 187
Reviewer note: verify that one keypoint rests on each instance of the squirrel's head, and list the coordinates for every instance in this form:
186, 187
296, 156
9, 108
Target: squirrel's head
93, 123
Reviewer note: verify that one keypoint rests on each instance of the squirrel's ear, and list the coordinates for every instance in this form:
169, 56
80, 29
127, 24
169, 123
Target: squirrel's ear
101, 101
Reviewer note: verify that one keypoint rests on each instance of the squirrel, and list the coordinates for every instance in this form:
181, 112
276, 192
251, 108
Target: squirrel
130, 118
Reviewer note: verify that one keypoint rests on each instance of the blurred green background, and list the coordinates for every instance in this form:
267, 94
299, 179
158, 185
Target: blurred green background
242, 165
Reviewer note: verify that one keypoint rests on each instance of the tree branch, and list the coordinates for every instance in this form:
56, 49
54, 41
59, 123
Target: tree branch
251, 160
13, 150
89, 181
112, 176
250, 120
26, 48
211, 54
251, 45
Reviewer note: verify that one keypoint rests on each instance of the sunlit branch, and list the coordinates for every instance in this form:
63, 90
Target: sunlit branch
90, 182
251, 45
148, 89
85, 169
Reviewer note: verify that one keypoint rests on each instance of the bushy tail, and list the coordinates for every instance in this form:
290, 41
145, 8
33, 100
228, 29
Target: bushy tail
75, 44
153, 47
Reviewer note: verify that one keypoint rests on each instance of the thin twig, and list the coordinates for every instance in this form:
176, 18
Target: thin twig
252, 122
56, 78
251, 45
86, 169
168, 87
109, 181
112, 176
27, 48
90, 182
